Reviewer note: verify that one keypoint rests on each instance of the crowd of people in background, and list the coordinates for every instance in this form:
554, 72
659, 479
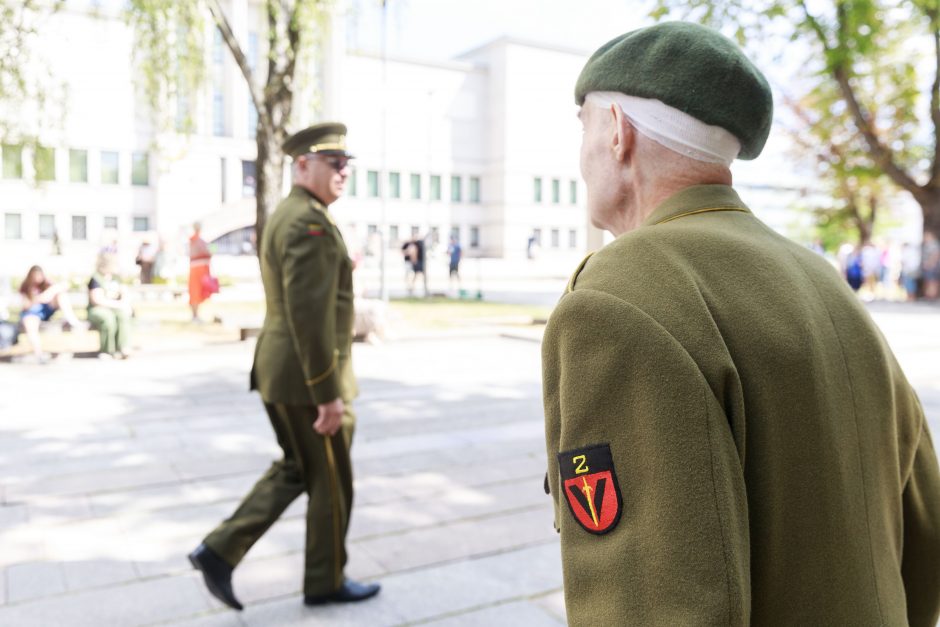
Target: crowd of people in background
37, 298
884, 270
876, 270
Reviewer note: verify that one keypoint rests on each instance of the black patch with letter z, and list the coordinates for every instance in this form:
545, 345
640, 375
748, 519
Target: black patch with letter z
590, 486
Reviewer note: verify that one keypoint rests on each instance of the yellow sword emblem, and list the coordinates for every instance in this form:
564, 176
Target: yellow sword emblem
587, 492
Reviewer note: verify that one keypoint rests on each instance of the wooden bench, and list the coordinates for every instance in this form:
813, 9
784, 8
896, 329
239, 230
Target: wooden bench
57, 340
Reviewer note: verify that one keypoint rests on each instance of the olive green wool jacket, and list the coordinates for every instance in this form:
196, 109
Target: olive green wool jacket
769, 463
303, 352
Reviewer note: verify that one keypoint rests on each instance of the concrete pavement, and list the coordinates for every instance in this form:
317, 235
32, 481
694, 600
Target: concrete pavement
110, 472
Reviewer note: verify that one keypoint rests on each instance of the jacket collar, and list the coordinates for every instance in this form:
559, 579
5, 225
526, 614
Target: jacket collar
694, 200
296, 191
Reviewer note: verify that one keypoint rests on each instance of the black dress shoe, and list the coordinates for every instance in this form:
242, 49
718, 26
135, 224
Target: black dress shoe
350, 592
217, 573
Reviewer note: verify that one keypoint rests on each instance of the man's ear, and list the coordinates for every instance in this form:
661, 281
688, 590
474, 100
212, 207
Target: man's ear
623, 138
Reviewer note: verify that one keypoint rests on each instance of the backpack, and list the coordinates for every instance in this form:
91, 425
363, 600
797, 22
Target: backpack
8, 334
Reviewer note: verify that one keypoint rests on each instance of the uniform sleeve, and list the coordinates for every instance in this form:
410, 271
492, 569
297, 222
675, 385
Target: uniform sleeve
679, 552
310, 280
920, 566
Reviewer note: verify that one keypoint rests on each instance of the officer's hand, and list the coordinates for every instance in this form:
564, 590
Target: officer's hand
329, 417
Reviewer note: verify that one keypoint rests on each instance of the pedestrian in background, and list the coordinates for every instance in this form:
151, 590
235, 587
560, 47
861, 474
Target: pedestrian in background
931, 266
109, 309
910, 269
455, 253
146, 259
730, 439
303, 370
40, 299
200, 258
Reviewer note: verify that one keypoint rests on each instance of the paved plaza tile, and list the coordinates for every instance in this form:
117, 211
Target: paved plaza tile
110, 472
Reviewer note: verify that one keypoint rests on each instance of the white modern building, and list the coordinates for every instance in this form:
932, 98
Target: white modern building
484, 146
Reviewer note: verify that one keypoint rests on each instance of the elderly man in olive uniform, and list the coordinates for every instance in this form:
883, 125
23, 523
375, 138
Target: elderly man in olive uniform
303, 371
730, 439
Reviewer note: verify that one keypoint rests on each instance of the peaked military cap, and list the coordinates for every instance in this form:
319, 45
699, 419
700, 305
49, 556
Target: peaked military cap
691, 68
326, 138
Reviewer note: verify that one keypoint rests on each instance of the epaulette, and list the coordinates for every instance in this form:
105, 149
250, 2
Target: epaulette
574, 277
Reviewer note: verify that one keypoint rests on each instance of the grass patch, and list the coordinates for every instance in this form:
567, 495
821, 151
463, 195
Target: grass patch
442, 313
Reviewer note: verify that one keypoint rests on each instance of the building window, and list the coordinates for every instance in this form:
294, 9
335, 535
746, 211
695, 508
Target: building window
455, 233
141, 224
372, 230
46, 226
573, 191
415, 186
78, 166
252, 57
13, 226
111, 222
435, 235
537, 236
556, 238
394, 185
249, 184
352, 181
44, 163
474, 237
12, 163
435, 192
475, 189
572, 238
456, 193
140, 168
252, 119
537, 189
414, 231
218, 112
556, 191
393, 233
109, 167
223, 179
79, 228
373, 182
252, 52
183, 120
217, 50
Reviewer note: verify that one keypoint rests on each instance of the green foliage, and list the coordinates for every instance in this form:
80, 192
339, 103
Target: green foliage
858, 97
27, 90
170, 54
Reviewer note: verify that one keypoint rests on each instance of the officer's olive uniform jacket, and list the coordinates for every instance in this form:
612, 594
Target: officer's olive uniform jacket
774, 463
303, 352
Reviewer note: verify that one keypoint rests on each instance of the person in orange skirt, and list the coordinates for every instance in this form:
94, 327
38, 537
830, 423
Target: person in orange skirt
199, 258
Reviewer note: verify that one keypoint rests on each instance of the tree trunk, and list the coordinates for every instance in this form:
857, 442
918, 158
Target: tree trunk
930, 207
269, 175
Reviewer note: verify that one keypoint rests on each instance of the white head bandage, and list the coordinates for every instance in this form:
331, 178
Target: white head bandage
674, 129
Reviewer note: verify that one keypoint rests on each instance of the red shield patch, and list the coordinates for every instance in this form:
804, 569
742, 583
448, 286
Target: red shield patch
591, 488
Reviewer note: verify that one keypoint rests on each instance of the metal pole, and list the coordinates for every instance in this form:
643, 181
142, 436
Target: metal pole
383, 228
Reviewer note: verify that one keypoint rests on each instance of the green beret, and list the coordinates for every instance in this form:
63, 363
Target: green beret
691, 68
326, 138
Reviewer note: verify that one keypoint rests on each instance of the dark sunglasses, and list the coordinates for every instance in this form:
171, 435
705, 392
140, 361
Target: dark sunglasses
337, 163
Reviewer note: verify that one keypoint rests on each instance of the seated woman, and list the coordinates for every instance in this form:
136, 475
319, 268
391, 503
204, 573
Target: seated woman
109, 310
41, 299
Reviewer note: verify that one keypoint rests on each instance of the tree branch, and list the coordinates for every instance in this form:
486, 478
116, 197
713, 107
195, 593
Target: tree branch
934, 181
241, 60
881, 153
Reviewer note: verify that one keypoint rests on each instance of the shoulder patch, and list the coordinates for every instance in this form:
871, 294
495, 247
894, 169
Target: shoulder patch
590, 486
315, 229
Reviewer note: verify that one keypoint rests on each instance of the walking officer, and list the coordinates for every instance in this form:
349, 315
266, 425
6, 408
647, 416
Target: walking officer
303, 370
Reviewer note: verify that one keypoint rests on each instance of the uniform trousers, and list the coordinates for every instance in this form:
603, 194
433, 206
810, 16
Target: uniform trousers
316, 464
